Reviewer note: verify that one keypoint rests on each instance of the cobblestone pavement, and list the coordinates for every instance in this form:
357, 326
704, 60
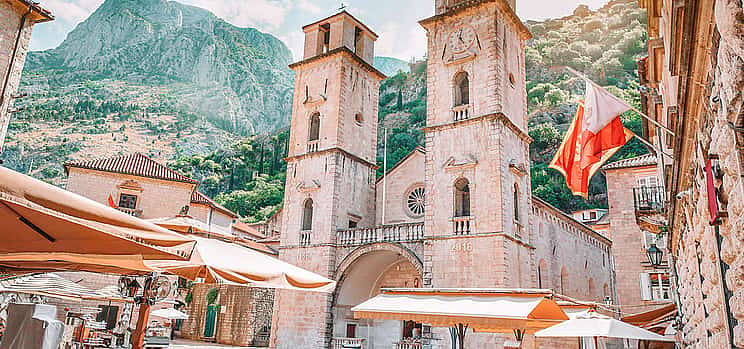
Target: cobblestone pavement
186, 344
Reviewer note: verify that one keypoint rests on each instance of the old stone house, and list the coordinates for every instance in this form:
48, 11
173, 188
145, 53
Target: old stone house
18, 20
636, 201
693, 82
455, 213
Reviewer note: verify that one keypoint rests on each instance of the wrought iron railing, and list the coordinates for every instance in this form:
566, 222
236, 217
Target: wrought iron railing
384, 233
409, 344
130, 211
345, 343
463, 225
649, 199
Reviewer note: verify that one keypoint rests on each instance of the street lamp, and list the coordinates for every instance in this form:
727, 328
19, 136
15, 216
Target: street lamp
133, 287
654, 255
608, 301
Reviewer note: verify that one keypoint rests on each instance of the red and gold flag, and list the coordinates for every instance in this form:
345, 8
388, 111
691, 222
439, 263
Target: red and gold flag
596, 133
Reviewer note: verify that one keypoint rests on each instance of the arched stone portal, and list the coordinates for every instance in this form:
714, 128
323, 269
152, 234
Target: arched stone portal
360, 276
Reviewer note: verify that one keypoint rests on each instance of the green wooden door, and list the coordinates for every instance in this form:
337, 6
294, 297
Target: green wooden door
211, 321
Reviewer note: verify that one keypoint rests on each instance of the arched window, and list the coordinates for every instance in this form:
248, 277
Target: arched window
564, 280
516, 202
314, 133
605, 291
462, 198
307, 215
542, 274
462, 89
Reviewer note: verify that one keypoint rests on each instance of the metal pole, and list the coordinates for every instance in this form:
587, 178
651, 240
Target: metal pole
657, 124
384, 177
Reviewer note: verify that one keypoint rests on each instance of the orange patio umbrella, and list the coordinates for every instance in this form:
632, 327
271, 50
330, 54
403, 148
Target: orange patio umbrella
47, 227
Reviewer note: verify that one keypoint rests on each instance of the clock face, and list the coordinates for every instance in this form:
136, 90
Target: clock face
461, 39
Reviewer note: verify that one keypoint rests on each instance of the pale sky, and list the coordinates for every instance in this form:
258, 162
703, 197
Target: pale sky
395, 21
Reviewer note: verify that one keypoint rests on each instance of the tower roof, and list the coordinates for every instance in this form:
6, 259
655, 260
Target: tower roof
347, 15
511, 16
136, 164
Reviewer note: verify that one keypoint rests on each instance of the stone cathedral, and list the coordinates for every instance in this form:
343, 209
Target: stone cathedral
458, 212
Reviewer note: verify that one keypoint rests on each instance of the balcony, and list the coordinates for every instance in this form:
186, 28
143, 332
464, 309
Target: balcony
463, 225
461, 112
131, 211
409, 344
312, 146
406, 232
346, 343
305, 238
649, 199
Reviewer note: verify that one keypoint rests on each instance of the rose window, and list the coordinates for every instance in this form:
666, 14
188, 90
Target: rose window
416, 201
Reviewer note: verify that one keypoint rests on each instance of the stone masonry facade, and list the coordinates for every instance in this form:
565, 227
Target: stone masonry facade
12, 56
695, 81
489, 232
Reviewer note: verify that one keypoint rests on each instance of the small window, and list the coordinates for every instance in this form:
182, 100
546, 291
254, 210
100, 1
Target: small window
462, 198
352, 224
512, 81
359, 119
314, 133
307, 215
655, 286
128, 201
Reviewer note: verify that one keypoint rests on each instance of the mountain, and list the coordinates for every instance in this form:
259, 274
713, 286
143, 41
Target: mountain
153, 76
238, 76
391, 66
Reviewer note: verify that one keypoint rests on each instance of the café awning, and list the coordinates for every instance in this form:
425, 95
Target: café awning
218, 261
190, 225
41, 218
483, 310
52, 285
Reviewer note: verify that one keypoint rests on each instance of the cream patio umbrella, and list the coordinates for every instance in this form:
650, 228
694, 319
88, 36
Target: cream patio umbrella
190, 225
218, 261
517, 311
47, 227
595, 325
170, 314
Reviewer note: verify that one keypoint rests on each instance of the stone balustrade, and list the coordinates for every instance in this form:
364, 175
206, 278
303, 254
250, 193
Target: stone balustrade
305, 237
463, 225
385, 233
461, 112
345, 343
312, 146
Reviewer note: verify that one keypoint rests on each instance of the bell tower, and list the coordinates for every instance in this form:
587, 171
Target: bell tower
477, 147
330, 182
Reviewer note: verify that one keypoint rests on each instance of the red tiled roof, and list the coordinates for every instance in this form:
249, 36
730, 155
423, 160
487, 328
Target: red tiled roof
638, 161
248, 229
136, 164
198, 197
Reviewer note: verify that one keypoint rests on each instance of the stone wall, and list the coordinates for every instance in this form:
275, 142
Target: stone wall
244, 318
628, 249
156, 198
11, 13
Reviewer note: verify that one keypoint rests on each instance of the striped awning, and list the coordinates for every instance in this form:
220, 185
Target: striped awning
53, 285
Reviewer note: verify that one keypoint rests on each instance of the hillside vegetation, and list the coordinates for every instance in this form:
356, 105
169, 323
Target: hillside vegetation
213, 100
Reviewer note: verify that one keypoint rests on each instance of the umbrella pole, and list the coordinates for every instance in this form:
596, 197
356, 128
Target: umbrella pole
595, 343
138, 336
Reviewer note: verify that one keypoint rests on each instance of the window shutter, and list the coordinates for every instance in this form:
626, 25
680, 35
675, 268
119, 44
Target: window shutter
645, 286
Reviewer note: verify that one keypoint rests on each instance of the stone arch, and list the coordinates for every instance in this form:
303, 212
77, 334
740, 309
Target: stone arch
542, 274
564, 281
354, 256
592, 290
461, 88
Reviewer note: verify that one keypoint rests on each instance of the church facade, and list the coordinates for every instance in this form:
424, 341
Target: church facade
456, 213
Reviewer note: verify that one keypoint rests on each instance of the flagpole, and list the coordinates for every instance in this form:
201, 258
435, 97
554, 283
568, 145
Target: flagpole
573, 71
657, 149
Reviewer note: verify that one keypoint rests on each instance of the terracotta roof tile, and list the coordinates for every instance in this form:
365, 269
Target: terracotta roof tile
136, 164
639, 161
198, 197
